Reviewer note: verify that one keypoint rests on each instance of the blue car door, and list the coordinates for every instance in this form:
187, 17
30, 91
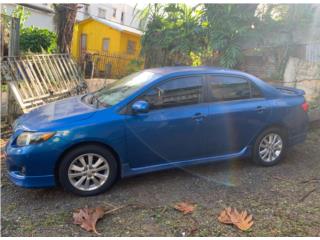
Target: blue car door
174, 127
237, 113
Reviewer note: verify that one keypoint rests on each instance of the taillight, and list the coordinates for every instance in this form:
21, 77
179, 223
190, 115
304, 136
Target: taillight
305, 106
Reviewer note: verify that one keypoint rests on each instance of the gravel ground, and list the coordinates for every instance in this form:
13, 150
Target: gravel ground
273, 195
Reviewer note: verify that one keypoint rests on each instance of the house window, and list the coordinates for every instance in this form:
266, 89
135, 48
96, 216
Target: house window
86, 9
105, 44
131, 47
83, 42
114, 14
122, 17
102, 13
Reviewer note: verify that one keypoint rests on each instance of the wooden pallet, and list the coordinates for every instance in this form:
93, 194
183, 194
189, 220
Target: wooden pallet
35, 80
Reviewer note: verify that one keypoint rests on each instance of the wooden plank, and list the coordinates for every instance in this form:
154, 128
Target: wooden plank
29, 76
71, 80
14, 76
55, 72
64, 77
23, 76
35, 64
34, 77
46, 76
50, 71
72, 64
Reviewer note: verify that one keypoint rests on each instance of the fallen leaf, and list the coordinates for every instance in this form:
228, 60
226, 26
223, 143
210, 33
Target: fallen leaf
242, 220
185, 207
88, 217
224, 216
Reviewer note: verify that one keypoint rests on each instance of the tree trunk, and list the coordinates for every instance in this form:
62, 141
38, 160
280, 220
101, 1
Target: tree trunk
65, 17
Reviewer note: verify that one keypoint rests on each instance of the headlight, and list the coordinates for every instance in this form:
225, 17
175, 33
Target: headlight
27, 138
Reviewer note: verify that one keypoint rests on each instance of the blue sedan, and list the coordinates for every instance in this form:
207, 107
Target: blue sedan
153, 120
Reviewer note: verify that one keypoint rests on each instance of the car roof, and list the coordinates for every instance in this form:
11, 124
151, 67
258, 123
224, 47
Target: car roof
180, 70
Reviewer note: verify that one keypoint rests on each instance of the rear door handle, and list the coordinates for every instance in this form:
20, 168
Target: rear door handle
260, 109
198, 116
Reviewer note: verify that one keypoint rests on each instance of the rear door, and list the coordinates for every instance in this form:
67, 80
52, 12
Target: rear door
174, 128
238, 111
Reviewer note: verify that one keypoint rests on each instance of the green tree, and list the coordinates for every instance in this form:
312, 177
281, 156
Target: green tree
173, 32
228, 26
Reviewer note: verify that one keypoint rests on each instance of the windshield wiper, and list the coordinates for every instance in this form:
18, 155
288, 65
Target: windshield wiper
92, 99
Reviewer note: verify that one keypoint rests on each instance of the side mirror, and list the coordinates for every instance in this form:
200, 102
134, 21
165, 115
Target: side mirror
140, 107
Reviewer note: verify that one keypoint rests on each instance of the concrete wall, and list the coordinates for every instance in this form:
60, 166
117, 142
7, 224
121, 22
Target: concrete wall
304, 75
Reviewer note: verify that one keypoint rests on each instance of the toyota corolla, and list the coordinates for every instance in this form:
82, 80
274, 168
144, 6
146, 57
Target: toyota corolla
153, 120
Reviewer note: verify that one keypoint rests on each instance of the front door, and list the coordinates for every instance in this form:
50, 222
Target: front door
174, 128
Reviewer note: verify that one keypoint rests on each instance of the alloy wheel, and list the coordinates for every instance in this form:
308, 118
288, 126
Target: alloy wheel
270, 147
88, 172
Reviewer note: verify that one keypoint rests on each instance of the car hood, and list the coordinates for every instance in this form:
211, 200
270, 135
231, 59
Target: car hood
65, 111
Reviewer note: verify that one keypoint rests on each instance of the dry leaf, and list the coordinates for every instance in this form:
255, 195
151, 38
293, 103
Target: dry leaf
224, 216
88, 217
185, 207
241, 220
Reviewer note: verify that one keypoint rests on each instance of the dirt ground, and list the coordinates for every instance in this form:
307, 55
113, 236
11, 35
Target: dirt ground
284, 201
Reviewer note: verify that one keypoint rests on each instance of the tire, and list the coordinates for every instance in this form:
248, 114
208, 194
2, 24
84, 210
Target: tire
259, 151
92, 181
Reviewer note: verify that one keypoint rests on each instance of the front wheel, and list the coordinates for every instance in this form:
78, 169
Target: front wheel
270, 147
88, 170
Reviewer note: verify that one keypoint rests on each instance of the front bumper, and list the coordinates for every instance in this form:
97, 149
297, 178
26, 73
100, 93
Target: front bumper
31, 167
31, 181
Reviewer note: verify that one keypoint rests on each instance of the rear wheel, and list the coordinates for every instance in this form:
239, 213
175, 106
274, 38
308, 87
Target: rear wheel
270, 147
88, 170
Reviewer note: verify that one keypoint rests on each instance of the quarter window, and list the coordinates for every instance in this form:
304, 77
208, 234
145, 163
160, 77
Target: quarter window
228, 88
177, 92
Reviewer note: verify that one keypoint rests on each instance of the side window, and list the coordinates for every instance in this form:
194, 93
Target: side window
228, 88
177, 92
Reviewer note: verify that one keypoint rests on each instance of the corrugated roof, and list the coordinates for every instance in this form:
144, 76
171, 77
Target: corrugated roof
117, 26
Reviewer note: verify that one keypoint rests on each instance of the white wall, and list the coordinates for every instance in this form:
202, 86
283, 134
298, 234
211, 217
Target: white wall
129, 13
37, 18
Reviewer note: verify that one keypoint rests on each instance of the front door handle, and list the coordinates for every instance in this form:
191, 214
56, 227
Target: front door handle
260, 109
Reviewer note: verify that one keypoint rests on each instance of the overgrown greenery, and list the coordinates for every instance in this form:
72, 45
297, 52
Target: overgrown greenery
134, 65
36, 40
215, 33
228, 26
173, 32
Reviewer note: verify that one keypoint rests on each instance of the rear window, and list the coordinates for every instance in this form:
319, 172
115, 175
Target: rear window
229, 88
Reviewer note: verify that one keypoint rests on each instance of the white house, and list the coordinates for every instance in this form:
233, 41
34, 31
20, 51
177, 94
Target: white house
120, 13
41, 15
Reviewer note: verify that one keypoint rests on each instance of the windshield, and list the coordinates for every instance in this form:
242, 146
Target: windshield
122, 88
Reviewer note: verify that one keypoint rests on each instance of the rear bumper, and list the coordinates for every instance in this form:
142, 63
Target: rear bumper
31, 181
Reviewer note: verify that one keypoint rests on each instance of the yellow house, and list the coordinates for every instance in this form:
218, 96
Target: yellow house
104, 37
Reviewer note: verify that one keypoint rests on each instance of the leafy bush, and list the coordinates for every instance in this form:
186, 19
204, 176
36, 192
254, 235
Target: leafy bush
135, 65
37, 40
